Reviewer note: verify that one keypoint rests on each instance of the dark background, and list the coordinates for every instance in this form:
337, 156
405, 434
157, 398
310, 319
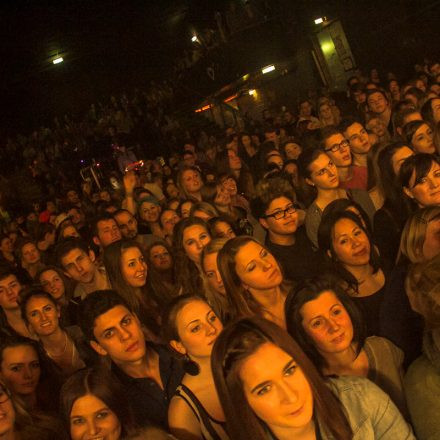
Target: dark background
114, 46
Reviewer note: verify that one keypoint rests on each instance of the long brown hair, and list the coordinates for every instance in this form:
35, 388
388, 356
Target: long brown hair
239, 341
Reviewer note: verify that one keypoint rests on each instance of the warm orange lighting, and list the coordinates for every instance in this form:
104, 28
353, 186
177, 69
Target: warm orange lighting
204, 108
231, 98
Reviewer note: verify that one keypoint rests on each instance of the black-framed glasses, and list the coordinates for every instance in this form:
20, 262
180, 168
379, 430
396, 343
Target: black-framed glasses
4, 394
281, 213
337, 147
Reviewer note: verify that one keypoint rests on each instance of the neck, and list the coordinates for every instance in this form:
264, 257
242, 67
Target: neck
13, 316
196, 195
282, 240
54, 340
328, 195
142, 368
344, 173
236, 173
268, 298
359, 160
342, 360
304, 433
360, 272
204, 364
99, 282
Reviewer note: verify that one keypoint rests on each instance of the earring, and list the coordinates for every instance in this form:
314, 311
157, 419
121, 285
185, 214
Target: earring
190, 367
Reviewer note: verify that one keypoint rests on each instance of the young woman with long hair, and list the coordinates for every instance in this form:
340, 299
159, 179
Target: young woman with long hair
252, 279
349, 250
190, 237
191, 327
94, 405
269, 389
330, 329
420, 136
189, 182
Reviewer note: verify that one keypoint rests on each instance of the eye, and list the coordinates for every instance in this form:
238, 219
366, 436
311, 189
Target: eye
15, 368
290, 370
343, 241
337, 311
35, 365
210, 274
108, 334
126, 321
34, 313
195, 329
263, 253
251, 267
102, 414
190, 242
77, 421
212, 318
316, 324
264, 390
203, 236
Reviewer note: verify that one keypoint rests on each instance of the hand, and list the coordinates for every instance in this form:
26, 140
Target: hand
129, 182
87, 188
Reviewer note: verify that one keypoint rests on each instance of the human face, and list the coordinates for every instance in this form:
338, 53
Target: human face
7, 246
286, 225
423, 140
91, 419
42, 315
79, 266
169, 219
160, 258
275, 158
234, 161
72, 197
342, 156
377, 127
292, 150
186, 209
377, 103
327, 322
127, 224
323, 173
350, 243
212, 273
133, 267
119, 334
399, 157
230, 185
9, 292
52, 284
172, 190
223, 197
325, 111
70, 231
277, 391
223, 230
358, 138
149, 212
191, 181
426, 191
20, 369
7, 414
31, 255
431, 245
435, 105
202, 215
246, 140
305, 109
257, 268
195, 238
108, 232
198, 327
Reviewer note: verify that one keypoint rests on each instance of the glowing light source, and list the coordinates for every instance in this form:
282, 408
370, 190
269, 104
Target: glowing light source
268, 69
230, 98
327, 47
194, 38
319, 20
252, 92
58, 60
204, 108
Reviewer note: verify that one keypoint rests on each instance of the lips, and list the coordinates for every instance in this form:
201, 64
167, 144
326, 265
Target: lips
360, 253
338, 339
133, 347
297, 412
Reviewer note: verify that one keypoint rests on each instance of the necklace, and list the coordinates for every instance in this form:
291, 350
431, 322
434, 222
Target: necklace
53, 355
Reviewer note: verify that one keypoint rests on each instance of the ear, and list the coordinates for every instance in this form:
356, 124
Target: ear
177, 346
263, 222
98, 348
96, 241
408, 192
92, 255
245, 286
329, 254
309, 182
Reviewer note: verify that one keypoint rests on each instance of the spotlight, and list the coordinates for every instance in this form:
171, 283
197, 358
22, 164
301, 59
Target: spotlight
268, 69
58, 60
194, 38
252, 92
319, 20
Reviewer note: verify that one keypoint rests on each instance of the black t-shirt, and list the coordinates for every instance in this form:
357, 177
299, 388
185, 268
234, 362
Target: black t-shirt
149, 402
298, 261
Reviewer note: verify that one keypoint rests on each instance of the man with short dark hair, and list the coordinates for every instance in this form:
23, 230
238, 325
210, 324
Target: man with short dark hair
148, 372
128, 226
105, 230
278, 214
431, 111
357, 136
79, 264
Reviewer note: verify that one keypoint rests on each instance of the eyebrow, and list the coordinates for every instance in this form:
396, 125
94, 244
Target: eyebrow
192, 322
267, 382
321, 316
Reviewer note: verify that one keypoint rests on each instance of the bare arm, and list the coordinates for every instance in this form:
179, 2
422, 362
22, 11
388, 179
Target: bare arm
182, 421
129, 184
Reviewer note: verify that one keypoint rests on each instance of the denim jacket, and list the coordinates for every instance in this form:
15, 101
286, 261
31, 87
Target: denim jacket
371, 413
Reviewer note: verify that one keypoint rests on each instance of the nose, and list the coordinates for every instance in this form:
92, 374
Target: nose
267, 265
434, 183
218, 278
333, 326
78, 267
125, 334
27, 374
288, 394
92, 428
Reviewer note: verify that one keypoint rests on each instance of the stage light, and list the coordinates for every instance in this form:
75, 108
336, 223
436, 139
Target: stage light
58, 60
268, 69
194, 38
252, 92
319, 20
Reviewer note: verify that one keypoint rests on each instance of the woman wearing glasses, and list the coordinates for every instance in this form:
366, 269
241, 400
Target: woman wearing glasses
252, 279
320, 177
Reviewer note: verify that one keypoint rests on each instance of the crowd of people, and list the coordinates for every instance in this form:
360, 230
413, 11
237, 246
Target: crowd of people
274, 281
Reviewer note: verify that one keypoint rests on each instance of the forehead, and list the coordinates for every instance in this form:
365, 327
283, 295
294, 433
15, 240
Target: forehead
168, 214
109, 318
28, 247
158, 248
421, 129
38, 301
190, 173
344, 226
247, 252
192, 231
354, 128
375, 96
18, 354
192, 311
321, 161
131, 252
8, 280
73, 255
334, 138
108, 223
124, 217
85, 405
324, 301
279, 202
48, 274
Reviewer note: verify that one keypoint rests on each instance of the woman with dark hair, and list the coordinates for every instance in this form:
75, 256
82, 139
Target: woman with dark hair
189, 182
160, 259
320, 176
28, 374
419, 176
329, 328
149, 210
229, 183
191, 327
191, 235
348, 247
247, 149
60, 288
252, 279
420, 136
16, 423
269, 389
222, 227
94, 405
228, 162
204, 210
67, 347
390, 218
128, 273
